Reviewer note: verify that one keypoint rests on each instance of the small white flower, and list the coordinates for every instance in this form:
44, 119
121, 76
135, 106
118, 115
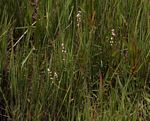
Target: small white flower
51, 78
113, 32
48, 70
62, 44
55, 75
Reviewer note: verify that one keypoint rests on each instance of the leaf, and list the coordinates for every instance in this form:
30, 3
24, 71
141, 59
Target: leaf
147, 99
24, 61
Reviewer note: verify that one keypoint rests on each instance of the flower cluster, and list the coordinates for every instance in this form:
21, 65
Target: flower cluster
78, 19
113, 35
63, 50
52, 75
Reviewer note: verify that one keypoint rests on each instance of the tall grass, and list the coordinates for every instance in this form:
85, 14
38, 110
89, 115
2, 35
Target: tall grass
67, 60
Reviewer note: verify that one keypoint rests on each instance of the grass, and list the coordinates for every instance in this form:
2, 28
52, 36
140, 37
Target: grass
70, 60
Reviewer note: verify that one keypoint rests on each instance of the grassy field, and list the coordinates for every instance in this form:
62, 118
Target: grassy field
74, 60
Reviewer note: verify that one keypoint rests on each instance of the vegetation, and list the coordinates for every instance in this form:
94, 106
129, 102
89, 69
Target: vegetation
74, 60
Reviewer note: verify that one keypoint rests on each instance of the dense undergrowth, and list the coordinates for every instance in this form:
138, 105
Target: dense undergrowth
74, 60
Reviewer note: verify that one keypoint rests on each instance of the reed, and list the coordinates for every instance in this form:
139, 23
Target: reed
67, 60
